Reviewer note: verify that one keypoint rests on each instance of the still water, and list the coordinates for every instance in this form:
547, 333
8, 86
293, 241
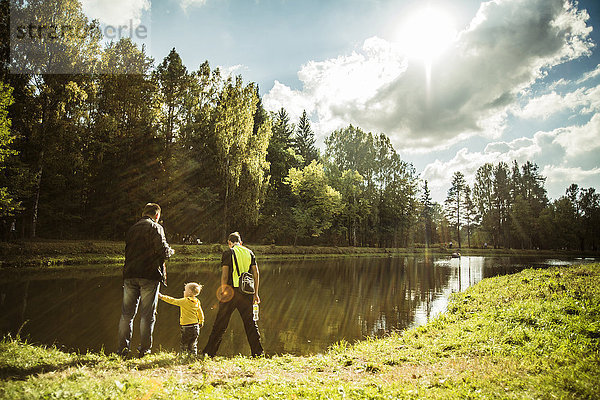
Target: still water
305, 305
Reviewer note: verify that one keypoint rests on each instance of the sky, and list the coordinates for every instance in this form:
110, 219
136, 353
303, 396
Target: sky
453, 83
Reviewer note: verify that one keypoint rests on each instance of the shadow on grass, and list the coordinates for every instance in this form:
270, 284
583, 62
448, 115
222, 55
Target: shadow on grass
16, 373
101, 361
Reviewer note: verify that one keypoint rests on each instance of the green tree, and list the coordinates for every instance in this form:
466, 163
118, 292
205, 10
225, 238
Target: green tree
397, 185
173, 83
304, 140
8, 205
233, 121
199, 203
454, 203
44, 120
255, 171
441, 223
470, 212
353, 204
559, 223
276, 215
427, 214
122, 151
523, 222
281, 155
350, 153
388, 206
178, 99
526, 212
483, 196
502, 202
316, 203
351, 149
588, 205
5, 42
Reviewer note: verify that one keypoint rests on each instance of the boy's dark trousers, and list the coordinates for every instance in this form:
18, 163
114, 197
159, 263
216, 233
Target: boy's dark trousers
189, 338
243, 303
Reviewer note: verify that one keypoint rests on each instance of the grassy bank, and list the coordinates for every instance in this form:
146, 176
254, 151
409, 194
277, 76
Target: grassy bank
535, 334
82, 252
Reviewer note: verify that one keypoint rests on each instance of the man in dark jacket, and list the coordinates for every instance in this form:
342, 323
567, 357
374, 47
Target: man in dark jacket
146, 250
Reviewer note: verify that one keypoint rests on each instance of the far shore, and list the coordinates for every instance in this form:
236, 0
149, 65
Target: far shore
45, 253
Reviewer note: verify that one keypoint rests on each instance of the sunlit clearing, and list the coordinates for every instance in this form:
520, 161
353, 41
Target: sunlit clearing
426, 34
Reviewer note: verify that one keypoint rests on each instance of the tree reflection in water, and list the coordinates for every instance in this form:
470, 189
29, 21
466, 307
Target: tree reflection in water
306, 305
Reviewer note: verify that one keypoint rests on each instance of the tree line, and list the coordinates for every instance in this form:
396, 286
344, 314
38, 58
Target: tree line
81, 153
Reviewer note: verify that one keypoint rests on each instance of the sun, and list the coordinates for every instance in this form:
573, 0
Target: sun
427, 33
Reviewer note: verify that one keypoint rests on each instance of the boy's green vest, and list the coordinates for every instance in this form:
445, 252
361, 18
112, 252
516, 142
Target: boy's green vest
243, 258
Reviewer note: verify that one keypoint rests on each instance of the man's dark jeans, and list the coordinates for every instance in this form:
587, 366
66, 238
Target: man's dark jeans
243, 303
145, 293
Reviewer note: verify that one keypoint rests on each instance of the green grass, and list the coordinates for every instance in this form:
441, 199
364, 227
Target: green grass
532, 335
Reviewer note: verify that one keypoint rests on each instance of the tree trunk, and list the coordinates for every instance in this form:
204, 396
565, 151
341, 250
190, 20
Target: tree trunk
225, 210
36, 201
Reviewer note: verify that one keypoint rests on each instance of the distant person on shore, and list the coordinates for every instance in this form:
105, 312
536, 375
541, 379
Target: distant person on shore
191, 317
12, 235
236, 260
146, 250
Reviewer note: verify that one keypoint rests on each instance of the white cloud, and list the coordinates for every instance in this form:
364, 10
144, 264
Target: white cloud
580, 140
568, 175
559, 178
116, 12
231, 71
333, 85
189, 3
543, 106
586, 100
293, 101
591, 75
506, 48
439, 173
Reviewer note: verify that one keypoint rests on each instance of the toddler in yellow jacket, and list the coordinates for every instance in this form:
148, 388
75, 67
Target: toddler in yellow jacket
191, 317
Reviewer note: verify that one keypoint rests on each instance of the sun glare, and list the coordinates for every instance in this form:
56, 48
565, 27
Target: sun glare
426, 34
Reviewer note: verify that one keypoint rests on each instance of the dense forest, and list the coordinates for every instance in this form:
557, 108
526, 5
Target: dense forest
80, 154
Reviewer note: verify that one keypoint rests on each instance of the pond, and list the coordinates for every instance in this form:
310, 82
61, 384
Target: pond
306, 305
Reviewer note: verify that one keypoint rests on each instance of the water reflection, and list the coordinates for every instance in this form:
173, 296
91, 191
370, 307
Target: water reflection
306, 305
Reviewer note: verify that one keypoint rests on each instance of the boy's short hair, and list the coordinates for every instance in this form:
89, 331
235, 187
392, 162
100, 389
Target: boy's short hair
150, 210
194, 287
235, 237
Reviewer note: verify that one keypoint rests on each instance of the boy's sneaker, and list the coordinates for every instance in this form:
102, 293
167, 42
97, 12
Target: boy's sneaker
124, 354
143, 354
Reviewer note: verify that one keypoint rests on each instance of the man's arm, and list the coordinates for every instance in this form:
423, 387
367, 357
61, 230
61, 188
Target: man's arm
256, 275
224, 275
160, 245
224, 290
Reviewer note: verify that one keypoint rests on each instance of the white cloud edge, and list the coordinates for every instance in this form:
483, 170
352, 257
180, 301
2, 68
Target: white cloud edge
332, 102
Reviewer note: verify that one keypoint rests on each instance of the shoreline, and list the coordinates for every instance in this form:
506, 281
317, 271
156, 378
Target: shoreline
534, 334
46, 253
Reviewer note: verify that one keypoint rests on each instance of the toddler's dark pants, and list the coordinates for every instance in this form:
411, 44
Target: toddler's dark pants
189, 338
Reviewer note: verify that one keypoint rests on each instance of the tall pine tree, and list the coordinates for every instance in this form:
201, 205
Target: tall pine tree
304, 141
427, 214
454, 202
